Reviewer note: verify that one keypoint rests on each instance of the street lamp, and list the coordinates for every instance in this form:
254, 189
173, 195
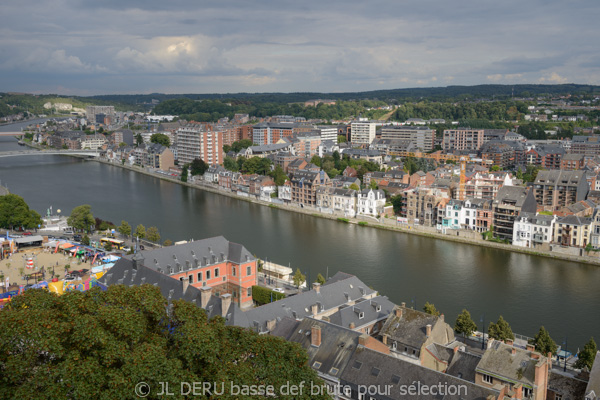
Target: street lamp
565, 366
482, 319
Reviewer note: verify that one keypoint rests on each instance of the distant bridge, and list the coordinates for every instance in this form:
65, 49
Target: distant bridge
18, 153
12, 133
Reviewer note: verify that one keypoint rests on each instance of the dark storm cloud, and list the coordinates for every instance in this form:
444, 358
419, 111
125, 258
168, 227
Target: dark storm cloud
227, 46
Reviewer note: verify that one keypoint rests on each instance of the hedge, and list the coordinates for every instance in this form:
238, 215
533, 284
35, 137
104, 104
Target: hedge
262, 295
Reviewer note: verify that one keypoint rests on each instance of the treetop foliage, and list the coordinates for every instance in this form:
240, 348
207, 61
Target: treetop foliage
100, 344
14, 212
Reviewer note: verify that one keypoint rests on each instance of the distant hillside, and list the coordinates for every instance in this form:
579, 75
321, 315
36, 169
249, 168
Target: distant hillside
436, 93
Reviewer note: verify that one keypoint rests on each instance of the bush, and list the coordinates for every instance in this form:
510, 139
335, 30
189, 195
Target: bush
343, 219
363, 223
262, 295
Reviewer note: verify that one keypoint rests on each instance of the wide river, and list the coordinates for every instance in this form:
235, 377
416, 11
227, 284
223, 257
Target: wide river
528, 291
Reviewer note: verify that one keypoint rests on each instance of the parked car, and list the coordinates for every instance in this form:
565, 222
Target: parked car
69, 232
279, 290
27, 233
77, 238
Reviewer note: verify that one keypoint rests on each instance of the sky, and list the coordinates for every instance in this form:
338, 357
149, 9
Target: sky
89, 47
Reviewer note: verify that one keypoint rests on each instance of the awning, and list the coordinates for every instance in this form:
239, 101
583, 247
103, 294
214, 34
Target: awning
29, 239
66, 246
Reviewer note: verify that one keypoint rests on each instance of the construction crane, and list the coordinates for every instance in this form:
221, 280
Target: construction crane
463, 178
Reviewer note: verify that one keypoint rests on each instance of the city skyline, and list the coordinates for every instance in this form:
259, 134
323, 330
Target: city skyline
73, 48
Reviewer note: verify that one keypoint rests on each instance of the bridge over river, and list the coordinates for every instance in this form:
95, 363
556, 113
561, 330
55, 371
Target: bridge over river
19, 153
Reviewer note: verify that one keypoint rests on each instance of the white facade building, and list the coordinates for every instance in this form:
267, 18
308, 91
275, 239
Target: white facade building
532, 229
363, 133
370, 202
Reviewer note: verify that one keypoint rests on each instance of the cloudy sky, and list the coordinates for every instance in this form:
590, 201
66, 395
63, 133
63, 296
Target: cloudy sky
86, 47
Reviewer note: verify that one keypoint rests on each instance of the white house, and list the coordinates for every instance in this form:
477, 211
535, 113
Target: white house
344, 200
530, 229
284, 192
370, 202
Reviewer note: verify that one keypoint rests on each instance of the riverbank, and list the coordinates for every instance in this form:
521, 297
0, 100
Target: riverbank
383, 223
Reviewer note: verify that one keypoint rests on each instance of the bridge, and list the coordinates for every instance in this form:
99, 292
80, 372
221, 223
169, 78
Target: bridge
18, 153
12, 133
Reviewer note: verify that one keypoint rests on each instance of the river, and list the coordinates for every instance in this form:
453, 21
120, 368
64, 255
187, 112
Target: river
528, 291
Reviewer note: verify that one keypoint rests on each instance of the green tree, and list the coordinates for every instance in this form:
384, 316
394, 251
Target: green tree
320, 279
85, 240
167, 243
14, 212
587, 355
500, 330
242, 144
139, 139
126, 335
184, 174
373, 185
108, 246
160, 138
465, 324
124, 229
397, 203
152, 234
316, 160
226, 148
198, 167
544, 343
140, 231
230, 164
495, 168
278, 176
299, 278
354, 186
429, 308
82, 218
122, 144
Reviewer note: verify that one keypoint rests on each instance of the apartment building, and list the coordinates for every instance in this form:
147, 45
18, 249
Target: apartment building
572, 162
557, 188
92, 113
531, 230
508, 204
485, 185
197, 140
271, 133
327, 132
588, 146
462, 139
420, 137
548, 157
362, 133
304, 185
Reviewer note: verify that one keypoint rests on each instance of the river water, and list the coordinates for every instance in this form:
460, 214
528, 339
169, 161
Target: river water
528, 291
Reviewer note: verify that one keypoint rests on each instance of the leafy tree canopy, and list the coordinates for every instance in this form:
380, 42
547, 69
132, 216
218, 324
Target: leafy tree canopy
99, 345
140, 231
82, 218
161, 139
320, 279
124, 229
544, 343
429, 308
299, 278
501, 330
152, 234
14, 213
587, 355
465, 324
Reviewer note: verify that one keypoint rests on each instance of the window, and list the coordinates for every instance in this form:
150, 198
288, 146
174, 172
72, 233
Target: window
208, 275
191, 279
488, 379
375, 371
333, 371
248, 270
357, 365
199, 276
395, 379
526, 392
316, 365
216, 272
249, 292
233, 271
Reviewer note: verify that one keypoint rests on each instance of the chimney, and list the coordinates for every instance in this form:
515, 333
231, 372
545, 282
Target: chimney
271, 324
362, 340
428, 330
325, 318
456, 349
315, 309
315, 335
518, 389
550, 360
490, 342
185, 282
398, 312
403, 305
225, 303
442, 317
317, 287
352, 325
513, 351
385, 339
530, 347
138, 260
509, 342
205, 294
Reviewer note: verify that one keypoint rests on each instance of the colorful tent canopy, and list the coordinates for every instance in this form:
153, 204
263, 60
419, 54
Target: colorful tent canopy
66, 246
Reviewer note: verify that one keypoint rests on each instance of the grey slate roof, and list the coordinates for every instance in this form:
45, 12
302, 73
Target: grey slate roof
517, 194
569, 387
337, 345
594, 382
370, 368
559, 177
410, 329
203, 252
574, 220
330, 296
498, 360
373, 310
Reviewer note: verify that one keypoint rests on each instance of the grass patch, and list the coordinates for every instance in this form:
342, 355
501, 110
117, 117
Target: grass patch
346, 220
363, 223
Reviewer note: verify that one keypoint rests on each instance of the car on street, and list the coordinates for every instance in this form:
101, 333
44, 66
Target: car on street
279, 290
68, 232
27, 233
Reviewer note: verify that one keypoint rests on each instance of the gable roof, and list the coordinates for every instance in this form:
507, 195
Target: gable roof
410, 328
